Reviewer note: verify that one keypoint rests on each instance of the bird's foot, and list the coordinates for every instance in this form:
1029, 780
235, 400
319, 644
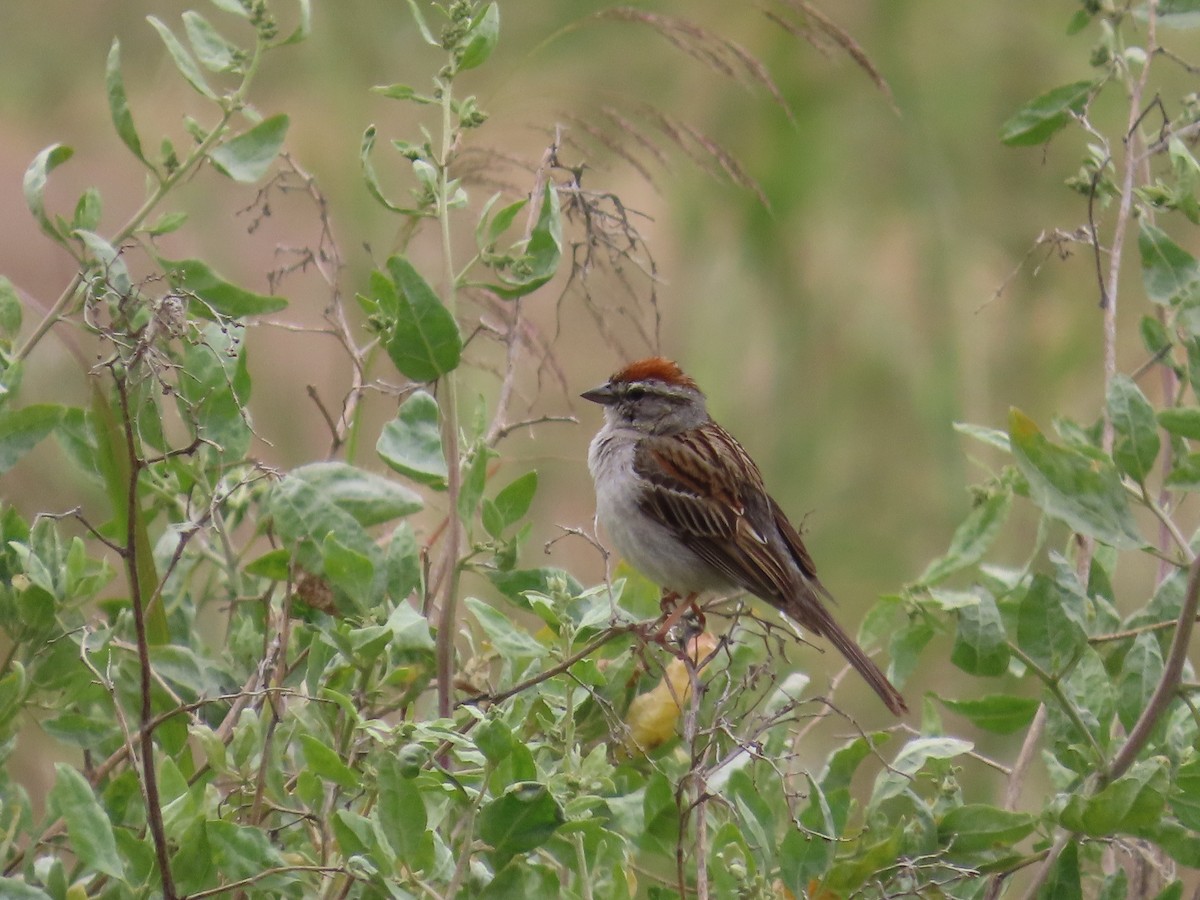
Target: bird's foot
677, 609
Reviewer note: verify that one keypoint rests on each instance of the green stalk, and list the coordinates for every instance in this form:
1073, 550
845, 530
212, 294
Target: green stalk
448, 401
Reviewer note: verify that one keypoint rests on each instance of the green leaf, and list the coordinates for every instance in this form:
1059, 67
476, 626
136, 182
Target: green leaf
369, 498
421, 26
320, 499
374, 188
166, 223
213, 398
411, 443
424, 343
17, 889
112, 461
992, 436
975, 827
35, 185
213, 296
1141, 671
523, 818
214, 52
972, 538
183, 60
87, 211
1191, 344
402, 816
232, 6
404, 570
112, 269
1182, 844
1045, 632
248, 157
547, 580
480, 39
1154, 335
349, 570
1115, 887
1179, 14
513, 501
303, 516
88, 825
508, 637
118, 103
980, 645
10, 309
489, 229
1181, 420
755, 816
1168, 271
897, 779
401, 92
303, 26
243, 851
23, 429
1185, 474
410, 632
805, 856
494, 740
997, 713
474, 478
273, 565
1173, 891
1134, 801
325, 762
1040, 118
541, 254
1185, 795
1083, 491
85, 732
1063, 881
1136, 446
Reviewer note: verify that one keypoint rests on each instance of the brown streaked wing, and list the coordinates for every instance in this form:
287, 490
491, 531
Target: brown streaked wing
723, 518
791, 537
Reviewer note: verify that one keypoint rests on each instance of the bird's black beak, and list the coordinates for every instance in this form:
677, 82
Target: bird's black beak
604, 395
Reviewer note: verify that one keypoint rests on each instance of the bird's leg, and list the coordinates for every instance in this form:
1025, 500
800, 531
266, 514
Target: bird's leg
673, 610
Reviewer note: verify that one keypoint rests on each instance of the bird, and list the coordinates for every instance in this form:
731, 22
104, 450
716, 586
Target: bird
686, 506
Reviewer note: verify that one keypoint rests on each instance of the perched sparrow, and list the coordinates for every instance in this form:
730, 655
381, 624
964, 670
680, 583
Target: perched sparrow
686, 505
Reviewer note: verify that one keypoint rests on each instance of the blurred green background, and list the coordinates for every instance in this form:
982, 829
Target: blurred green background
890, 287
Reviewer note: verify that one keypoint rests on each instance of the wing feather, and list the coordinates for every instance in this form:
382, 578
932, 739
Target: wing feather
724, 517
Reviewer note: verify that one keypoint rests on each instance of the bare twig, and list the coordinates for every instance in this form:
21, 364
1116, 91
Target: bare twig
133, 573
605, 636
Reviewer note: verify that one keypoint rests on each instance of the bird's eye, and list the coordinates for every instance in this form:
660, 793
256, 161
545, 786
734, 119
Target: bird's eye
635, 393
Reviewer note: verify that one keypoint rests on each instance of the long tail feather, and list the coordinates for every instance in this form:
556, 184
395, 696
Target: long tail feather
810, 612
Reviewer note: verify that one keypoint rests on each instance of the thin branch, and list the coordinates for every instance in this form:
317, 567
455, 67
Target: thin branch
267, 873
1167, 685
546, 674
132, 567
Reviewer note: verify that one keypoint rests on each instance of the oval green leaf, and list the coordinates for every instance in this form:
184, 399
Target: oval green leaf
520, 820
248, 157
411, 443
1181, 420
211, 295
1137, 443
1081, 490
34, 185
1040, 118
424, 343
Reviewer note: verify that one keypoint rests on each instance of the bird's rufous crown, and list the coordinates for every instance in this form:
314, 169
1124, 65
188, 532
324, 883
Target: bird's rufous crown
655, 368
